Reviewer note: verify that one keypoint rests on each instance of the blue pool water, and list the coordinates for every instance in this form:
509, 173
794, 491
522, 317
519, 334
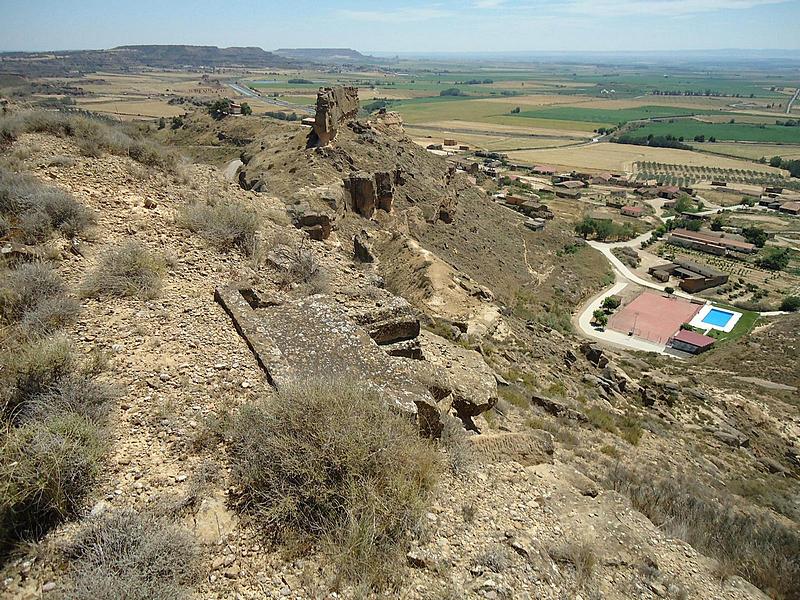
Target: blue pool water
718, 317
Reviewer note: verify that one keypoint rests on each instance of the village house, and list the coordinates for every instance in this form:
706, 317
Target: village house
670, 192
571, 184
616, 201
544, 170
694, 276
632, 211
567, 193
691, 342
792, 208
713, 243
235, 109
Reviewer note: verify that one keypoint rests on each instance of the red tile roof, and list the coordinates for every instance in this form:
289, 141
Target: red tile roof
695, 339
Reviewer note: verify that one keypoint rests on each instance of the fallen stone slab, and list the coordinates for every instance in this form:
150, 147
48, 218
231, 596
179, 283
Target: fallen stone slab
528, 448
314, 338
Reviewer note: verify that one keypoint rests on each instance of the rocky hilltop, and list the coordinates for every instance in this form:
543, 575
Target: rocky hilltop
415, 337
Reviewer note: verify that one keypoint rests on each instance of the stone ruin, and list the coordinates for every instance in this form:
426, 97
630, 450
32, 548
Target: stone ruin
377, 343
335, 106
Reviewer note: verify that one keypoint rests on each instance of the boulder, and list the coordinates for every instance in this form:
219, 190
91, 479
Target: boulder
594, 354
362, 248
557, 409
370, 192
384, 190
335, 106
317, 225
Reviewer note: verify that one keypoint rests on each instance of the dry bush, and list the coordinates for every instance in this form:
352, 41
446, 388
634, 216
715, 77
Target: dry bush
47, 469
495, 559
297, 264
757, 546
582, 555
229, 225
128, 270
328, 461
124, 555
34, 296
34, 210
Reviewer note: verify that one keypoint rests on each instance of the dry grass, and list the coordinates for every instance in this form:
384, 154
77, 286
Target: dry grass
756, 546
34, 296
125, 555
580, 554
328, 462
128, 270
453, 439
227, 226
33, 211
93, 136
47, 469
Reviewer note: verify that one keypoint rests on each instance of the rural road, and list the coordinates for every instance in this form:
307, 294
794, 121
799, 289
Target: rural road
231, 169
792, 101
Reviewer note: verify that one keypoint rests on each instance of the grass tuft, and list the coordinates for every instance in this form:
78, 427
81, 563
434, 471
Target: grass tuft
128, 270
227, 226
131, 556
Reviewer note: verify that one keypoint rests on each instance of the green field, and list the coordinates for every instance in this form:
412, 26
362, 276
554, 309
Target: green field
739, 132
602, 115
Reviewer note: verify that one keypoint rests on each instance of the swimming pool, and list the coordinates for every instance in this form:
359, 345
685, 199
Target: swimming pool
717, 317
711, 317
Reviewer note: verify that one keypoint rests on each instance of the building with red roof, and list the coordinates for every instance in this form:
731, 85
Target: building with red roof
691, 341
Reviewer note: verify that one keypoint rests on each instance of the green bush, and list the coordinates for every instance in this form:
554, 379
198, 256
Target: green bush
124, 555
229, 225
128, 270
790, 304
328, 460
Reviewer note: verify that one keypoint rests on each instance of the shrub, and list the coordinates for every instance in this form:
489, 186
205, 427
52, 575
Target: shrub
46, 471
459, 451
298, 265
33, 370
230, 225
37, 209
34, 296
128, 270
328, 460
130, 556
757, 546
582, 555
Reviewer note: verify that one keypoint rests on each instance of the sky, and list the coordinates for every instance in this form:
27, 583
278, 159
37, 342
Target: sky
405, 25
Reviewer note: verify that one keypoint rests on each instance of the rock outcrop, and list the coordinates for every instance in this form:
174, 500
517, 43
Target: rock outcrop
370, 192
335, 106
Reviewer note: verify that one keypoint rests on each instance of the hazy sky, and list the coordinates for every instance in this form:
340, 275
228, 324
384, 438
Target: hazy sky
404, 25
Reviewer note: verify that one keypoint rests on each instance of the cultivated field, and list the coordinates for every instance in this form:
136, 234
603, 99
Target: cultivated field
607, 156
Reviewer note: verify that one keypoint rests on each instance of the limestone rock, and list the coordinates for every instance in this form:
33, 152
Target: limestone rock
335, 106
